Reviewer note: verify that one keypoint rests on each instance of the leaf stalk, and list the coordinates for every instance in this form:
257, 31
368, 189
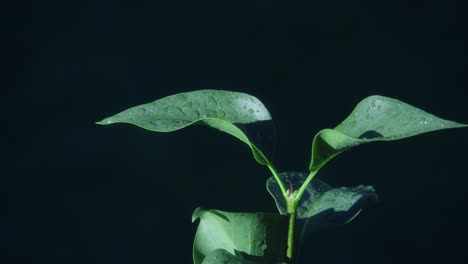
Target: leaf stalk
279, 181
302, 189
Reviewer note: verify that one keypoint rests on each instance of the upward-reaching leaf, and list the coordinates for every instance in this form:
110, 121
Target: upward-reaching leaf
227, 111
376, 118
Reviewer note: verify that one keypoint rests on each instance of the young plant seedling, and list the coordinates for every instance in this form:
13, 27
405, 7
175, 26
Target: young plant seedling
305, 204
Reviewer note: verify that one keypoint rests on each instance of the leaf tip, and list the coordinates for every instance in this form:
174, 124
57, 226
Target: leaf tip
197, 213
106, 121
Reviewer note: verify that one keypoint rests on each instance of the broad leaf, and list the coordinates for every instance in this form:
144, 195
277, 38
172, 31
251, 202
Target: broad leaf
321, 205
221, 256
376, 118
227, 111
259, 235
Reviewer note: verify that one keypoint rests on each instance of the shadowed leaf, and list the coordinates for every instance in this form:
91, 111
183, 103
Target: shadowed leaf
221, 256
321, 205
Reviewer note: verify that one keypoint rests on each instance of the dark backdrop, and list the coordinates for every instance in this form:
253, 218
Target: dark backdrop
81, 193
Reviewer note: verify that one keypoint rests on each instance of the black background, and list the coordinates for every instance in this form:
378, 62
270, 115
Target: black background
80, 193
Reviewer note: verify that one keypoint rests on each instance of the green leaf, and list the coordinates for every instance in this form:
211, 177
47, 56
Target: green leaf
259, 235
224, 110
376, 118
221, 256
321, 205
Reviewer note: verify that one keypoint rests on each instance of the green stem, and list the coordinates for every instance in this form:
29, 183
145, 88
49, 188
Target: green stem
292, 201
301, 190
278, 180
291, 237
291, 206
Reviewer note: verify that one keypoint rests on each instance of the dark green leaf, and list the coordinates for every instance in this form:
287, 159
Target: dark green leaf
221, 256
254, 234
321, 205
217, 109
376, 118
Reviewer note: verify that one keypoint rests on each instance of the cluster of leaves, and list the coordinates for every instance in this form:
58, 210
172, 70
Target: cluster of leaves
226, 237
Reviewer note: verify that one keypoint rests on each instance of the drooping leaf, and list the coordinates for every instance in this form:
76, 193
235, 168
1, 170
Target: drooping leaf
221, 256
259, 235
227, 111
321, 205
376, 118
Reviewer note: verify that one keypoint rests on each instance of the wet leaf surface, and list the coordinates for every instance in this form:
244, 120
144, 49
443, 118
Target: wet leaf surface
376, 118
321, 205
231, 112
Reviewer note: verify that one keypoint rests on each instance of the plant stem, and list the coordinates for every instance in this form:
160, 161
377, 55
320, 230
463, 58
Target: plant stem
291, 237
278, 180
292, 201
301, 190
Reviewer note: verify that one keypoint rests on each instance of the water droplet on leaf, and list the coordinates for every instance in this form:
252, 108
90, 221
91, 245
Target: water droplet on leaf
370, 134
212, 101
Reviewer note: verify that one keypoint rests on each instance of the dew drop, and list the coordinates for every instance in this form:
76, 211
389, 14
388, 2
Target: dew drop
251, 111
212, 101
211, 113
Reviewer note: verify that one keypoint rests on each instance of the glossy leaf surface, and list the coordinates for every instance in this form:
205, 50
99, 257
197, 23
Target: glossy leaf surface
223, 110
259, 235
321, 205
376, 118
